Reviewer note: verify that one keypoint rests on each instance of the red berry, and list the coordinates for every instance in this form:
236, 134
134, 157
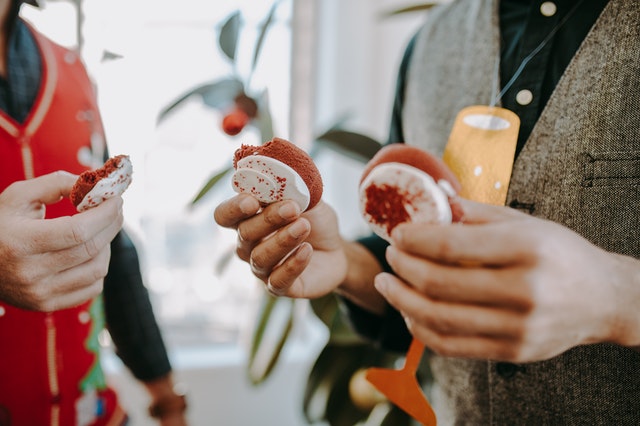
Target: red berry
234, 122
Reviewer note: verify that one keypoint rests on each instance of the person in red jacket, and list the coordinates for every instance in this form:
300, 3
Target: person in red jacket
64, 275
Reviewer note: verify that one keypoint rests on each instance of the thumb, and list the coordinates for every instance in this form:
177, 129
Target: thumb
473, 212
47, 189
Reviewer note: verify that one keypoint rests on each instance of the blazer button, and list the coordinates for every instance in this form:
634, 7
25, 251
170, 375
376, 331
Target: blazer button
506, 369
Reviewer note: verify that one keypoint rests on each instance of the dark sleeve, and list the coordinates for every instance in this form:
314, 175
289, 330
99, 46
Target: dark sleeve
395, 128
388, 331
129, 314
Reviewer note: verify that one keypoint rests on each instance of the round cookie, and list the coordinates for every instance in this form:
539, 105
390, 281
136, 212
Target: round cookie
276, 171
95, 186
403, 183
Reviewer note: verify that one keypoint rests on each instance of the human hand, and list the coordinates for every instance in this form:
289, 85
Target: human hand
52, 264
176, 419
507, 286
296, 254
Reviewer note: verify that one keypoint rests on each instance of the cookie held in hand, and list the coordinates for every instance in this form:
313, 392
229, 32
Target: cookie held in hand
95, 186
403, 183
277, 171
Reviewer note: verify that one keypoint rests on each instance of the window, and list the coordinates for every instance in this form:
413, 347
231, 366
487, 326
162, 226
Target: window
143, 55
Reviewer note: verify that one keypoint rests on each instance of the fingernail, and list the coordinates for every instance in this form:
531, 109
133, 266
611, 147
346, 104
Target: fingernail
408, 322
396, 234
391, 254
274, 291
298, 229
304, 252
247, 205
289, 210
381, 283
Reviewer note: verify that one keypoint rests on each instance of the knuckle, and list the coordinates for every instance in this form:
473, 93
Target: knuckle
276, 286
100, 270
91, 249
242, 233
444, 249
40, 297
242, 253
76, 234
258, 263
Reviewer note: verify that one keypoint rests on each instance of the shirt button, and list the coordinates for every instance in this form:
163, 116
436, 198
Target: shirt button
2, 311
524, 97
548, 8
506, 369
84, 317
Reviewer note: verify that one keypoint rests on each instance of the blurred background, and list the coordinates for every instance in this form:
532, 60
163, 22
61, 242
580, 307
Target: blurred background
322, 61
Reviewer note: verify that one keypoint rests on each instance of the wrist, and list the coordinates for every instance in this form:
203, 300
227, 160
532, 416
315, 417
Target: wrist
357, 285
167, 398
169, 405
625, 328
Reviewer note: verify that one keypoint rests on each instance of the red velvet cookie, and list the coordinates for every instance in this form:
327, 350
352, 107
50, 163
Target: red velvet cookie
276, 171
95, 186
403, 183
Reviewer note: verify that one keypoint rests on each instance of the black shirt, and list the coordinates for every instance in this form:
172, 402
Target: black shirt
524, 24
523, 27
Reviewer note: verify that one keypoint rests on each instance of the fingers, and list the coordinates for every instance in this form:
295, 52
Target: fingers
453, 329
75, 285
90, 228
271, 252
491, 244
66, 288
445, 317
82, 252
473, 212
79, 276
457, 284
46, 189
234, 210
285, 278
75, 298
273, 218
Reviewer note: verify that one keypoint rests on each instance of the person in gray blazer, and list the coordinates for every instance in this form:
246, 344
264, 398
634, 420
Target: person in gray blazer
542, 324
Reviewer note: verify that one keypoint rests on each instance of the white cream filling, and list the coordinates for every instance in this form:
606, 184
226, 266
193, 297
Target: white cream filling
110, 186
270, 180
424, 199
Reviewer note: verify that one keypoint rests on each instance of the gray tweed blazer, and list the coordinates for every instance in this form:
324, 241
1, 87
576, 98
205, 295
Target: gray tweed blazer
580, 167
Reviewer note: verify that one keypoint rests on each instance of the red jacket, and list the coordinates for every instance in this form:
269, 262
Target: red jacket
49, 364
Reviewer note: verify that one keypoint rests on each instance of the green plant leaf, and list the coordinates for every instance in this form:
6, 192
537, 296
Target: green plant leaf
221, 93
225, 259
409, 9
210, 184
264, 120
351, 144
262, 34
269, 337
326, 395
327, 309
228, 36
218, 94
